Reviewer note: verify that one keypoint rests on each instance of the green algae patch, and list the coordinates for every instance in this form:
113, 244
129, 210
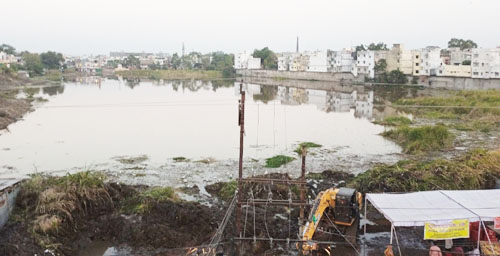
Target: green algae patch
277, 161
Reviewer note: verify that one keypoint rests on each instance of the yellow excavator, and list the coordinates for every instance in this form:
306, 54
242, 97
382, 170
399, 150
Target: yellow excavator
341, 207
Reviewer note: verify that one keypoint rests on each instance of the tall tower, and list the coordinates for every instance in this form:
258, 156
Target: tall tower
182, 49
297, 50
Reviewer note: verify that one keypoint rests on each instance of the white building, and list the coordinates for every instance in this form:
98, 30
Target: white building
486, 63
7, 58
285, 59
318, 61
457, 56
245, 60
365, 63
344, 62
427, 61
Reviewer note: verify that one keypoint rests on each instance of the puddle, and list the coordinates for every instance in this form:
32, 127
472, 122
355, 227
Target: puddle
103, 248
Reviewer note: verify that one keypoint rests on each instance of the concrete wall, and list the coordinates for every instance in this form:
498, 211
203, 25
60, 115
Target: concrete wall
7, 202
459, 83
320, 76
303, 84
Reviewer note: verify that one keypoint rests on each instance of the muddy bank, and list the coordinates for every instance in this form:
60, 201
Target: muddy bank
11, 109
65, 214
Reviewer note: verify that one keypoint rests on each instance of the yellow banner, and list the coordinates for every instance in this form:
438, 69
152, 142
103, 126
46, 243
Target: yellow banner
451, 230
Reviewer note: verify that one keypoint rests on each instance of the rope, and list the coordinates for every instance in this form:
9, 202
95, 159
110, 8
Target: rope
215, 241
343, 236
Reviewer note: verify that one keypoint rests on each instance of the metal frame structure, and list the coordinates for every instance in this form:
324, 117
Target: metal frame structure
246, 202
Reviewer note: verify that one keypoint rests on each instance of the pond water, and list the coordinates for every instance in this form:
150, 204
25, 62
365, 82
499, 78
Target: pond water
85, 124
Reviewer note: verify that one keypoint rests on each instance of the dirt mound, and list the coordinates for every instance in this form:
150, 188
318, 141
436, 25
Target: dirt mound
11, 110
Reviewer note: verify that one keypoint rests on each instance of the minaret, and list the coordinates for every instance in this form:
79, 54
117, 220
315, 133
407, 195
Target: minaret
297, 50
182, 49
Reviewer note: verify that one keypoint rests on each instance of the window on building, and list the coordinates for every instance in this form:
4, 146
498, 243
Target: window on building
416, 71
416, 64
475, 73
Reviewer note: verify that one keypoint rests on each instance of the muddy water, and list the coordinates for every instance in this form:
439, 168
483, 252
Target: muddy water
92, 125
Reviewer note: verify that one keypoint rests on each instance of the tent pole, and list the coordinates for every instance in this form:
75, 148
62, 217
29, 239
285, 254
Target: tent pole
364, 227
392, 227
479, 233
489, 241
366, 219
397, 241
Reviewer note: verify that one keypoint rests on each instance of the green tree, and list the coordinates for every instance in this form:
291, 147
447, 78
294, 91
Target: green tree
378, 47
7, 49
176, 61
51, 60
461, 43
32, 63
267, 57
380, 66
360, 48
131, 62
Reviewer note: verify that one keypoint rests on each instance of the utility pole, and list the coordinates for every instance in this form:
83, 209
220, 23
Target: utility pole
297, 49
241, 123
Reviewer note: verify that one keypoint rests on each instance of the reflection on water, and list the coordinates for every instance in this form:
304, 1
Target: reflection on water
88, 122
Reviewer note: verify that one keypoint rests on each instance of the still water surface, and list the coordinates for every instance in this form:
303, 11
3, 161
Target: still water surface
85, 124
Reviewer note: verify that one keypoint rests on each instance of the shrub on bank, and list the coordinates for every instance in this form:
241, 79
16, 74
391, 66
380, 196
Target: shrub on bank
420, 139
477, 169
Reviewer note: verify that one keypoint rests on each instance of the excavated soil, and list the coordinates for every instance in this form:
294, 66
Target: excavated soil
166, 225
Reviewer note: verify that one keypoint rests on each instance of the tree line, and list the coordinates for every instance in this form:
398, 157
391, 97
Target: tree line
34, 63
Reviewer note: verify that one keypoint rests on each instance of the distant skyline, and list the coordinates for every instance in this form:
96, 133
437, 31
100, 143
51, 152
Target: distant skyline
99, 27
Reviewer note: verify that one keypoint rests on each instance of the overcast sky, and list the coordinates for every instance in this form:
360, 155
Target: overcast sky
100, 26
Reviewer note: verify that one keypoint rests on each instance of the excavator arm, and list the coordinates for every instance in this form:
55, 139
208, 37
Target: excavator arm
324, 200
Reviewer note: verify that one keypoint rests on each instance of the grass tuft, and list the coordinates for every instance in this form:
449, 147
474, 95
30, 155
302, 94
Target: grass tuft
394, 121
421, 139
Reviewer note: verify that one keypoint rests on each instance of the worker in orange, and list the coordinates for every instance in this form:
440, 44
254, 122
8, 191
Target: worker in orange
388, 251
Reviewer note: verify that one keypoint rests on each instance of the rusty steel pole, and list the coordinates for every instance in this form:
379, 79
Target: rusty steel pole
302, 189
241, 123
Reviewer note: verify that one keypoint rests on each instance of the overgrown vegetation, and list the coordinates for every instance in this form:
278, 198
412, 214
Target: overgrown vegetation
56, 203
421, 139
392, 77
277, 161
394, 121
170, 74
475, 110
477, 169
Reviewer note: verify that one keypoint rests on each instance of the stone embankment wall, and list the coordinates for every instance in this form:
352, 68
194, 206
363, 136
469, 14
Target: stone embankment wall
459, 83
454, 83
299, 75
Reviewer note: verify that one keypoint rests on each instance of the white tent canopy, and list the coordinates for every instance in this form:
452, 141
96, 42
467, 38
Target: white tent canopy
439, 206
